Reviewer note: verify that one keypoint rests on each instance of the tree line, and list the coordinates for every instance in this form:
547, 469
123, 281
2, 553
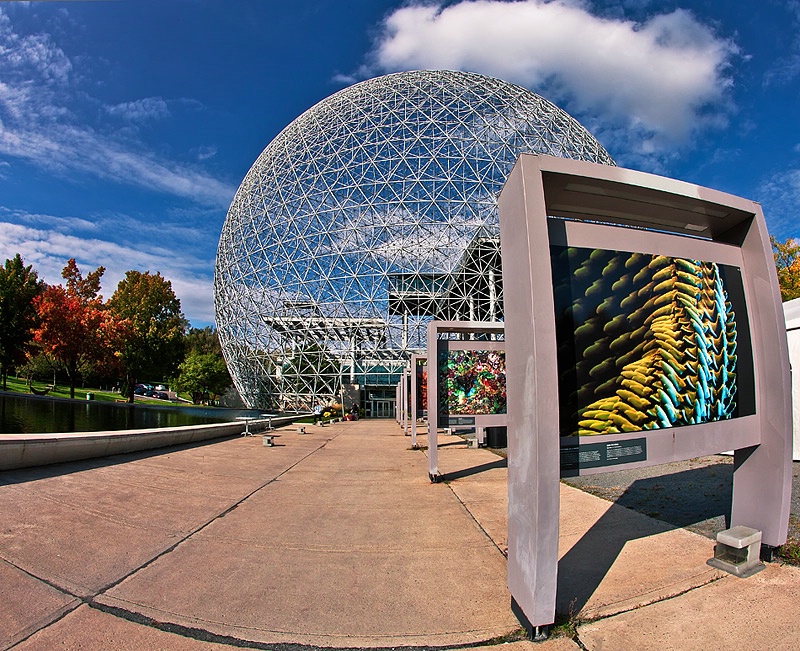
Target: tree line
139, 334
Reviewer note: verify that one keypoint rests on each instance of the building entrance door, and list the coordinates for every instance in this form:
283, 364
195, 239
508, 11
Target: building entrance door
383, 408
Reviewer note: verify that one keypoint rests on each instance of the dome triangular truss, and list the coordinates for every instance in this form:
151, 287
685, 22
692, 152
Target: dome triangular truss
371, 214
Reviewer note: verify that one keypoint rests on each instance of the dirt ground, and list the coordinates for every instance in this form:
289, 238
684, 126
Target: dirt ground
693, 494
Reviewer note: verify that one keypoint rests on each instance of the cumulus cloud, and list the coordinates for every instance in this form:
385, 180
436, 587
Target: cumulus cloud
40, 122
35, 54
47, 242
663, 77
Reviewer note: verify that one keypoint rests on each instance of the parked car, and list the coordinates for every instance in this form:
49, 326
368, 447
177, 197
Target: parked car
161, 395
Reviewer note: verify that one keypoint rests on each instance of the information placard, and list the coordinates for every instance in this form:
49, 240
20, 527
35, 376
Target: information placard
601, 455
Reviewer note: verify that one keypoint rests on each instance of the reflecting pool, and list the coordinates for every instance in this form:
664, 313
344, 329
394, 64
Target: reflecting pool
21, 414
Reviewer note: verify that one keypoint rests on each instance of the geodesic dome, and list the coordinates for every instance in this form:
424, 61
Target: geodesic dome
372, 213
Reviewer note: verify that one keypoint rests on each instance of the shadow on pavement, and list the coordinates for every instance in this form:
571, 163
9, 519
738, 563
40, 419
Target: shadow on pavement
467, 472
672, 501
582, 569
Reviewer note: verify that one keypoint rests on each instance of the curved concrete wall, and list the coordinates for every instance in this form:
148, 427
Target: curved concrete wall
25, 450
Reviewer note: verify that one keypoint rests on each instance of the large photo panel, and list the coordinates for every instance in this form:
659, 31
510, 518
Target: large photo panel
653, 341
466, 380
472, 381
648, 341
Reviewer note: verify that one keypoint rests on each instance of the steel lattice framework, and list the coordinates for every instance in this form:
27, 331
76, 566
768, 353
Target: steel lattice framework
369, 215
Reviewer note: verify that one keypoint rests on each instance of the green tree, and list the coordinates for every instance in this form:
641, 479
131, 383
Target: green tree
787, 263
203, 340
39, 366
154, 342
19, 285
203, 375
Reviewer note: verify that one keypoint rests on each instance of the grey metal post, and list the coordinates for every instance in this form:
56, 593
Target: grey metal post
531, 381
433, 402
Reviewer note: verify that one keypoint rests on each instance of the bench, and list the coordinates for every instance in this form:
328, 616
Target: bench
269, 440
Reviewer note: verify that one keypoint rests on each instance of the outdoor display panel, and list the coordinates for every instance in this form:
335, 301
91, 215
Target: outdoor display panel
419, 393
404, 399
643, 326
422, 387
467, 384
409, 414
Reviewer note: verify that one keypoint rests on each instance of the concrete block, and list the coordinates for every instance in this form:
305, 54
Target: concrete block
738, 551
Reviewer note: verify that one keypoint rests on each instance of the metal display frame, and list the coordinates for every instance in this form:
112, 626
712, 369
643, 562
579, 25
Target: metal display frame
405, 381
457, 335
417, 412
619, 209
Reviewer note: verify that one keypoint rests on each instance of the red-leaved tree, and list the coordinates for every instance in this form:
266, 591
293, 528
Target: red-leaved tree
74, 327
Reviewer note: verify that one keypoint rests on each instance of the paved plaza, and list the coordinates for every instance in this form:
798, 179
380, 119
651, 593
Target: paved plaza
336, 538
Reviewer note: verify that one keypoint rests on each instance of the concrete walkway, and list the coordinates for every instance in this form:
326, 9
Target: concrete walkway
336, 538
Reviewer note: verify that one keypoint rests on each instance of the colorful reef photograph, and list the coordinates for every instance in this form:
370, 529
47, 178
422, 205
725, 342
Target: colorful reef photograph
472, 382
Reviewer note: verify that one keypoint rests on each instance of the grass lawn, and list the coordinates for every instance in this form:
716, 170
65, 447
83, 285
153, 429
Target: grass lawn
20, 385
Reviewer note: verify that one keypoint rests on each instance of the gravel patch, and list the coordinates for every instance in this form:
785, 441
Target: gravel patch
693, 494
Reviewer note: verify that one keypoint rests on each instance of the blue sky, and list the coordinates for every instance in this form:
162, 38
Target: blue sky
126, 127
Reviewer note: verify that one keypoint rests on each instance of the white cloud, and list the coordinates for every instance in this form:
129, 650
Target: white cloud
787, 68
662, 78
47, 246
39, 123
148, 108
205, 152
35, 54
780, 198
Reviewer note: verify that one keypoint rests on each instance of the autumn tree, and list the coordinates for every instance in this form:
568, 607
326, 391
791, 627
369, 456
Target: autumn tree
787, 262
19, 285
87, 290
74, 328
154, 344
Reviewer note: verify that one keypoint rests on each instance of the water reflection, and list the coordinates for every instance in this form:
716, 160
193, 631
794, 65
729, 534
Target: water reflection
33, 415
